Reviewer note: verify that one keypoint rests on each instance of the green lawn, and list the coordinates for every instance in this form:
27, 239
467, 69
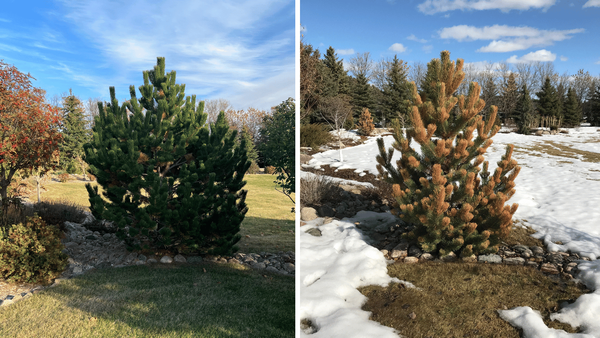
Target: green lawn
268, 226
200, 300
178, 300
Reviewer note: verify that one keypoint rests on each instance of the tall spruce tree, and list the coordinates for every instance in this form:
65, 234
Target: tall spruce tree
508, 98
75, 134
571, 111
523, 113
397, 90
337, 83
453, 203
594, 108
547, 103
169, 179
362, 96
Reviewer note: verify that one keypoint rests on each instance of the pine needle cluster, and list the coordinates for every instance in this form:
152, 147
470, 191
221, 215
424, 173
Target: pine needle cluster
445, 190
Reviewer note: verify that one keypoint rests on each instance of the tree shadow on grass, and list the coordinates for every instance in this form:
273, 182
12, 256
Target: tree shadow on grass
182, 300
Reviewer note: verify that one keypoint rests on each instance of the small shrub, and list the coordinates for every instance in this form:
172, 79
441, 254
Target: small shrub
57, 212
316, 190
91, 177
14, 212
254, 168
64, 177
314, 135
270, 170
365, 123
553, 127
31, 252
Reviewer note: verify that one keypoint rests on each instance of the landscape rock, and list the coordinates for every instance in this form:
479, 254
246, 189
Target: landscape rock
489, 259
179, 259
326, 211
549, 268
314, 232
166, 260
514, 261
194, 259
411, 260
308, 214
451, 257
469, 259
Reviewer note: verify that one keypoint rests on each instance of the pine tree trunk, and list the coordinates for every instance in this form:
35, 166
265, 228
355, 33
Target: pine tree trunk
38, 187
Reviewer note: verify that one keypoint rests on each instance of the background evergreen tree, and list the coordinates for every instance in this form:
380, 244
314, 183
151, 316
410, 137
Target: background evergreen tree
453, 203
571, 111
338, 77
547, 103
523, 113
170, 180
397, 91
489, 93
362, 95
594, 108
75, 134
509, 97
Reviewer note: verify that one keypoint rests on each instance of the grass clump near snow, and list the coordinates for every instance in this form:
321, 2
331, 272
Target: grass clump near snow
463, 299
200, 300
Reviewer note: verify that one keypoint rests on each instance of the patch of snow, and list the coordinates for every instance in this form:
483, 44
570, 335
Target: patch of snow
309, 175
333, 266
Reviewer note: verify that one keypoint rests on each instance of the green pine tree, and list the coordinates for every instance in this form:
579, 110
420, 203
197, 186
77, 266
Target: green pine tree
523, 112
170, 180
337, 82
75, 134
571, 110
397, 91
453, 204
594, 110
547, 103
362, 96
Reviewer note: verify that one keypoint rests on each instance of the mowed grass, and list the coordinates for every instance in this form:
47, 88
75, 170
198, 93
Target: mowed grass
267, 227
463, 299
199, 300
176, 300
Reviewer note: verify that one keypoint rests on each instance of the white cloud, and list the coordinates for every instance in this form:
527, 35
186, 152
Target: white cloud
507, 38
414, 38
592, 3
481, 66
398, 48
427, 48
563, 58
437, 6
540, 55
234, 42
597, 62
345, 51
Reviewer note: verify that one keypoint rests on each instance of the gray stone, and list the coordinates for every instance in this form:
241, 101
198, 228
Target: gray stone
142, 258
549, 268
271, 269
326, 211
401, 246
77, 270
399, 254
415, 251
259, 266
426, 257
179, 259
411, 260
536, 250
514, 261
194, 259
308, 214
152, 260
489, 259
314, 231
469, 259
451, 257
289, 267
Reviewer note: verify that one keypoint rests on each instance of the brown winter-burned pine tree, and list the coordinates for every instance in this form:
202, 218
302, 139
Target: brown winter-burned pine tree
365, 123
453, 203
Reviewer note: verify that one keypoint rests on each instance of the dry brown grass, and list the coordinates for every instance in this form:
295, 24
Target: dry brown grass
559, 150
462, 300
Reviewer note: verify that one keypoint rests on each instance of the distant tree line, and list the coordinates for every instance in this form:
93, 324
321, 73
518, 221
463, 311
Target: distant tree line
382, 87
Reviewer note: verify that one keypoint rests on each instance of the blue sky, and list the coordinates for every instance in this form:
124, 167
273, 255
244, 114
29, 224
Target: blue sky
242, 51
566, 32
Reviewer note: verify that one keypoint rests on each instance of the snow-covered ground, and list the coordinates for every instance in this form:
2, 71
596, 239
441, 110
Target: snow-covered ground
557, 196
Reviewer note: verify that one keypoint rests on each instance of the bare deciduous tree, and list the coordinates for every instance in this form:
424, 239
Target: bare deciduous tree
214, 107
361, 64
335, 110
416, 73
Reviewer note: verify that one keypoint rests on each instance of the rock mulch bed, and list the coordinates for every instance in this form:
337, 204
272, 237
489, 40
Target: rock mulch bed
91, 249
386, 236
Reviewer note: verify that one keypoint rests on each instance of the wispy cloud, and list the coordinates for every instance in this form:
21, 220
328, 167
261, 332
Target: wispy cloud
345, 51
507, 38
592, 3
4, 20
437, 6
563, 58
414, 38
427, 48
214, 45
540, 55
398, 48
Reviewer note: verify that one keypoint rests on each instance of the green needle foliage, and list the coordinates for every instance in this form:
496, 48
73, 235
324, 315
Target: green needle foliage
453, 203
170, 179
